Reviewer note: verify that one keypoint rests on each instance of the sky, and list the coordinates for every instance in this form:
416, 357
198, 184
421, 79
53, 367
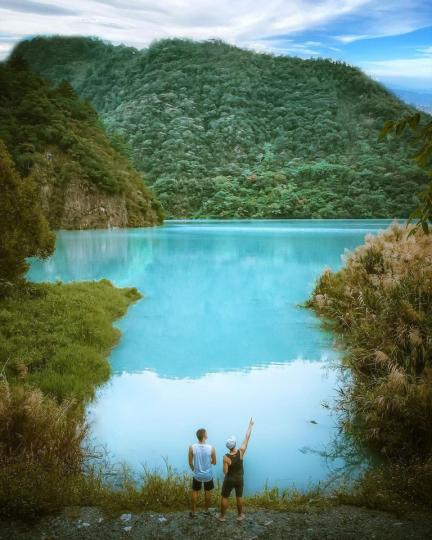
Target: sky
391, 40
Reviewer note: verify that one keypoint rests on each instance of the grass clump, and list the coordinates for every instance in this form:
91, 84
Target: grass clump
40, 450
54, 340
56, 337
380, 306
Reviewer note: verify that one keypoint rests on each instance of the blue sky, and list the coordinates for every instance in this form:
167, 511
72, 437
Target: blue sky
391, 40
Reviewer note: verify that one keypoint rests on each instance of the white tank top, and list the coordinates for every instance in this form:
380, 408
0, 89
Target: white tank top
202, 462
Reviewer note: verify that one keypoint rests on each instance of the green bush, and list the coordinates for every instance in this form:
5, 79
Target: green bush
380, 306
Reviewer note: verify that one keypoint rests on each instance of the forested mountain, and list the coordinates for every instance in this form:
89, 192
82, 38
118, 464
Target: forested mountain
57, 140
224, 132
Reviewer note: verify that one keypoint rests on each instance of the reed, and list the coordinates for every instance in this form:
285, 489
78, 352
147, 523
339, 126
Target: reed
379, 305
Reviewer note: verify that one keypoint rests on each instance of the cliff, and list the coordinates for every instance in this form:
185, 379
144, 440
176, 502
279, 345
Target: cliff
57, 139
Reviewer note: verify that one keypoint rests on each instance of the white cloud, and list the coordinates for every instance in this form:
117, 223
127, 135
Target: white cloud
271, 26
425, 50
240, 22
418, 68
349, 38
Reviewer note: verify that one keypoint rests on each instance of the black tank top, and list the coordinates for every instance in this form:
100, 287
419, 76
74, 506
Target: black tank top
235, 470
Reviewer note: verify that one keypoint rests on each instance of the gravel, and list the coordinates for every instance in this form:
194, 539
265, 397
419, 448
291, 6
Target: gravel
341, 522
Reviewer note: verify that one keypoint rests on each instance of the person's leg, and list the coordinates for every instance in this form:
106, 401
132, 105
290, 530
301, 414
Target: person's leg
196, 487
208, 488
223, 508
194, 500
226, 490
207, 499
239, 500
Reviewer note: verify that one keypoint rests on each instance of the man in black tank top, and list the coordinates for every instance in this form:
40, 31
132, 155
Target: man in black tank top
233, 471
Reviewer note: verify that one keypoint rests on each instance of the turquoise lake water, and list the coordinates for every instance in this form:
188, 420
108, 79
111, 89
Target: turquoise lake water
217, 338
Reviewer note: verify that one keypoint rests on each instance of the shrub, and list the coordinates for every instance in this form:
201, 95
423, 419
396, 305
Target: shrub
380, 306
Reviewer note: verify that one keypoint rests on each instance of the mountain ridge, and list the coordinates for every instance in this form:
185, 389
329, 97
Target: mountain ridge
219, 131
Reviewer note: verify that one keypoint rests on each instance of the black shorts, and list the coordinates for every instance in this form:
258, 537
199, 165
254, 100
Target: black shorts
232, 483
197, 485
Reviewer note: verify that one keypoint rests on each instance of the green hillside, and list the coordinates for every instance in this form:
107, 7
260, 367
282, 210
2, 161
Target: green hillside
223, 132
56, 138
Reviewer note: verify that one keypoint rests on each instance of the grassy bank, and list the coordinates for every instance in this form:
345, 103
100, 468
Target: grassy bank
56, 337
379, 305
54, 344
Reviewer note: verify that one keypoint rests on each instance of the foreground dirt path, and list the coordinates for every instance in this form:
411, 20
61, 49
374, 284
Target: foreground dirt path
342, 522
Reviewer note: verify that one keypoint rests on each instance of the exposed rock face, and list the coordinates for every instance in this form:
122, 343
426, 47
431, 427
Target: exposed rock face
78, 204
85, 178
88, 209
81, 206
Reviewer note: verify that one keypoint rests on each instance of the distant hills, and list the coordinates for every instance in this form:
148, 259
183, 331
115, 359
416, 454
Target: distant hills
420, 100
57, 138
218, 131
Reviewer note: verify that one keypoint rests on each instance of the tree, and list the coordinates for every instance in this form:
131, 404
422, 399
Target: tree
422, 134
24, 231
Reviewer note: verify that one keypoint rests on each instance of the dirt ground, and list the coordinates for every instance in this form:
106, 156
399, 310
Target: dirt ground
341, 522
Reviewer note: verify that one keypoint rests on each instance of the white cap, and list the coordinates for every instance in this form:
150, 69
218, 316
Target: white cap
231, 442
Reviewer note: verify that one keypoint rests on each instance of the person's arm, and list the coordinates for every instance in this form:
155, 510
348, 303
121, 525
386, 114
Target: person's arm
213, 456
226, 462
190, 458
245, 443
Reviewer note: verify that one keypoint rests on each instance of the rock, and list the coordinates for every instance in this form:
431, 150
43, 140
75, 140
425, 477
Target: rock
125, 517
127, 529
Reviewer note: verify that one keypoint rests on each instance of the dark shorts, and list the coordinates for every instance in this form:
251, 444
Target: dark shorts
197, 485
232, 483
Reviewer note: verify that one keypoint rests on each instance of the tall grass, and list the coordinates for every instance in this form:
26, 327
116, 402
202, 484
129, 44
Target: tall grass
54, 342
56, 337
380, 307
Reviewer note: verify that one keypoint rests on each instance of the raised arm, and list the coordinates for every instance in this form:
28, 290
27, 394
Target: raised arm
245, 443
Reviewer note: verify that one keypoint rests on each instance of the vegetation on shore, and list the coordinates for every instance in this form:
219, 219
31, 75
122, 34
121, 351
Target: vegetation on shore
223, 132
54, 343
56, 337
380, 307
24, 229
421, 133
58, 143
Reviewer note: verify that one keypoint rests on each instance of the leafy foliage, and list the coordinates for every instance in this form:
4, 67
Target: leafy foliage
422, 134
53, 348
224, 132
56, 139
57, 337
380, 304
24, 231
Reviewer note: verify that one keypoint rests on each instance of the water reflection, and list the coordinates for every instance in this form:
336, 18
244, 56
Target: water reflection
220, 301
143, 418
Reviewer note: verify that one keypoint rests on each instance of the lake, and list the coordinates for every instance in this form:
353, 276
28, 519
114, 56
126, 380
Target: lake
218, 337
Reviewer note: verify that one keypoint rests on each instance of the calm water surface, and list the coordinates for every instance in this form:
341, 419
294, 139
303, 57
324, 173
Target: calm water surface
217, 338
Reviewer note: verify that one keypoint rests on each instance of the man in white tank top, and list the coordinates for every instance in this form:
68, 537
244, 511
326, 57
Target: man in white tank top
202, 457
